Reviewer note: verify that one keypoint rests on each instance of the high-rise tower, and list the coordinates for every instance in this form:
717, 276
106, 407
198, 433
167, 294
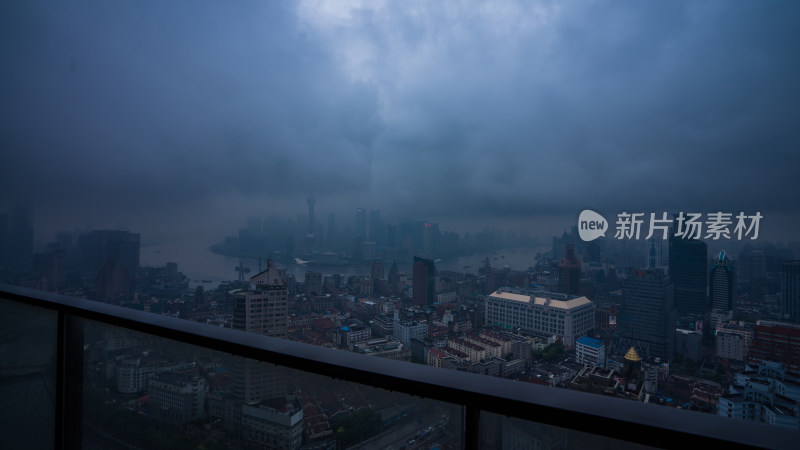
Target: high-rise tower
688, 259
262, 309
790, 291
361, 225
647, 319
330, 232
114, 256
360, 233
652, 257
569, 273
311, 237
311, 201
424, 283
376, 231
722, 283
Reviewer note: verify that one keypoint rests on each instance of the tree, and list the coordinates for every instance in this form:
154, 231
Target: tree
551, 353
356, 427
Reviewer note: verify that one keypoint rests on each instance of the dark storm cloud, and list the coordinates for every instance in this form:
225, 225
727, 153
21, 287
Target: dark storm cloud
485, 109
618, 105
150, 105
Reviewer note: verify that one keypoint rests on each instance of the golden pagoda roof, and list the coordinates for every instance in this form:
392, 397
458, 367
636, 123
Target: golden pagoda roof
632, 355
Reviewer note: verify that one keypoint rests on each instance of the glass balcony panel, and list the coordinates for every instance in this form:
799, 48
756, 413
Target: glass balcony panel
27, 376
151, 392
498, 432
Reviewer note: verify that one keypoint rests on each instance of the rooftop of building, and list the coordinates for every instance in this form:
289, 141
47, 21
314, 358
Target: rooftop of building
437, 352
597, 371
772, 323
541, 301
270, 276
485, 342
683, 331
468, 344
456, 353
284, 405
734, 326
590, 342
494, 335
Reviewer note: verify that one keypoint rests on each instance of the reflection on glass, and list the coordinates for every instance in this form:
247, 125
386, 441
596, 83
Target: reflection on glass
155, 393
501, 432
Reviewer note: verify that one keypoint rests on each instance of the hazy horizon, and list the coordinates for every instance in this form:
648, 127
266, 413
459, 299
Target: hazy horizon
182, 119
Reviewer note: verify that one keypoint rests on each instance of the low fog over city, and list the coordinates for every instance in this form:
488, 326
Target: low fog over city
183, 119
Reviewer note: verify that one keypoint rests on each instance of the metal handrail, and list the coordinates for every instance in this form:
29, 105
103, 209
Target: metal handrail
590, 413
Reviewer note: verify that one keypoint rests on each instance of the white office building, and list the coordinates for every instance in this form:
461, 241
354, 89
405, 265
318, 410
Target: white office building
541, 313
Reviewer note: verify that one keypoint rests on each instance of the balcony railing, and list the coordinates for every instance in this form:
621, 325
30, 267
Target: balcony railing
481, 400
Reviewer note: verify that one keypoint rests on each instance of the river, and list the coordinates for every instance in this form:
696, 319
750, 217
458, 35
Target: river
198, 262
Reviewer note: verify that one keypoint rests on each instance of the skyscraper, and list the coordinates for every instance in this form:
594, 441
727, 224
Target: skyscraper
311, 237
114, 255
360, 233
361, 225
394, 279
652, 257
424, 283
722, 283
569, 273
330, 235
647, 319
376, 232
262, 309
376, 276
313, 284
391, 236
16, 237
790, 291
311, 201
758, 274
430, 238
52, 267
688, 259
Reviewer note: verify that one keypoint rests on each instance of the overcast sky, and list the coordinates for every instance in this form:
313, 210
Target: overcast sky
165, 114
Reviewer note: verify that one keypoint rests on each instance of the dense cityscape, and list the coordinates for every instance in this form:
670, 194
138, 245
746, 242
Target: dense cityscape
665, 322
330, 224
